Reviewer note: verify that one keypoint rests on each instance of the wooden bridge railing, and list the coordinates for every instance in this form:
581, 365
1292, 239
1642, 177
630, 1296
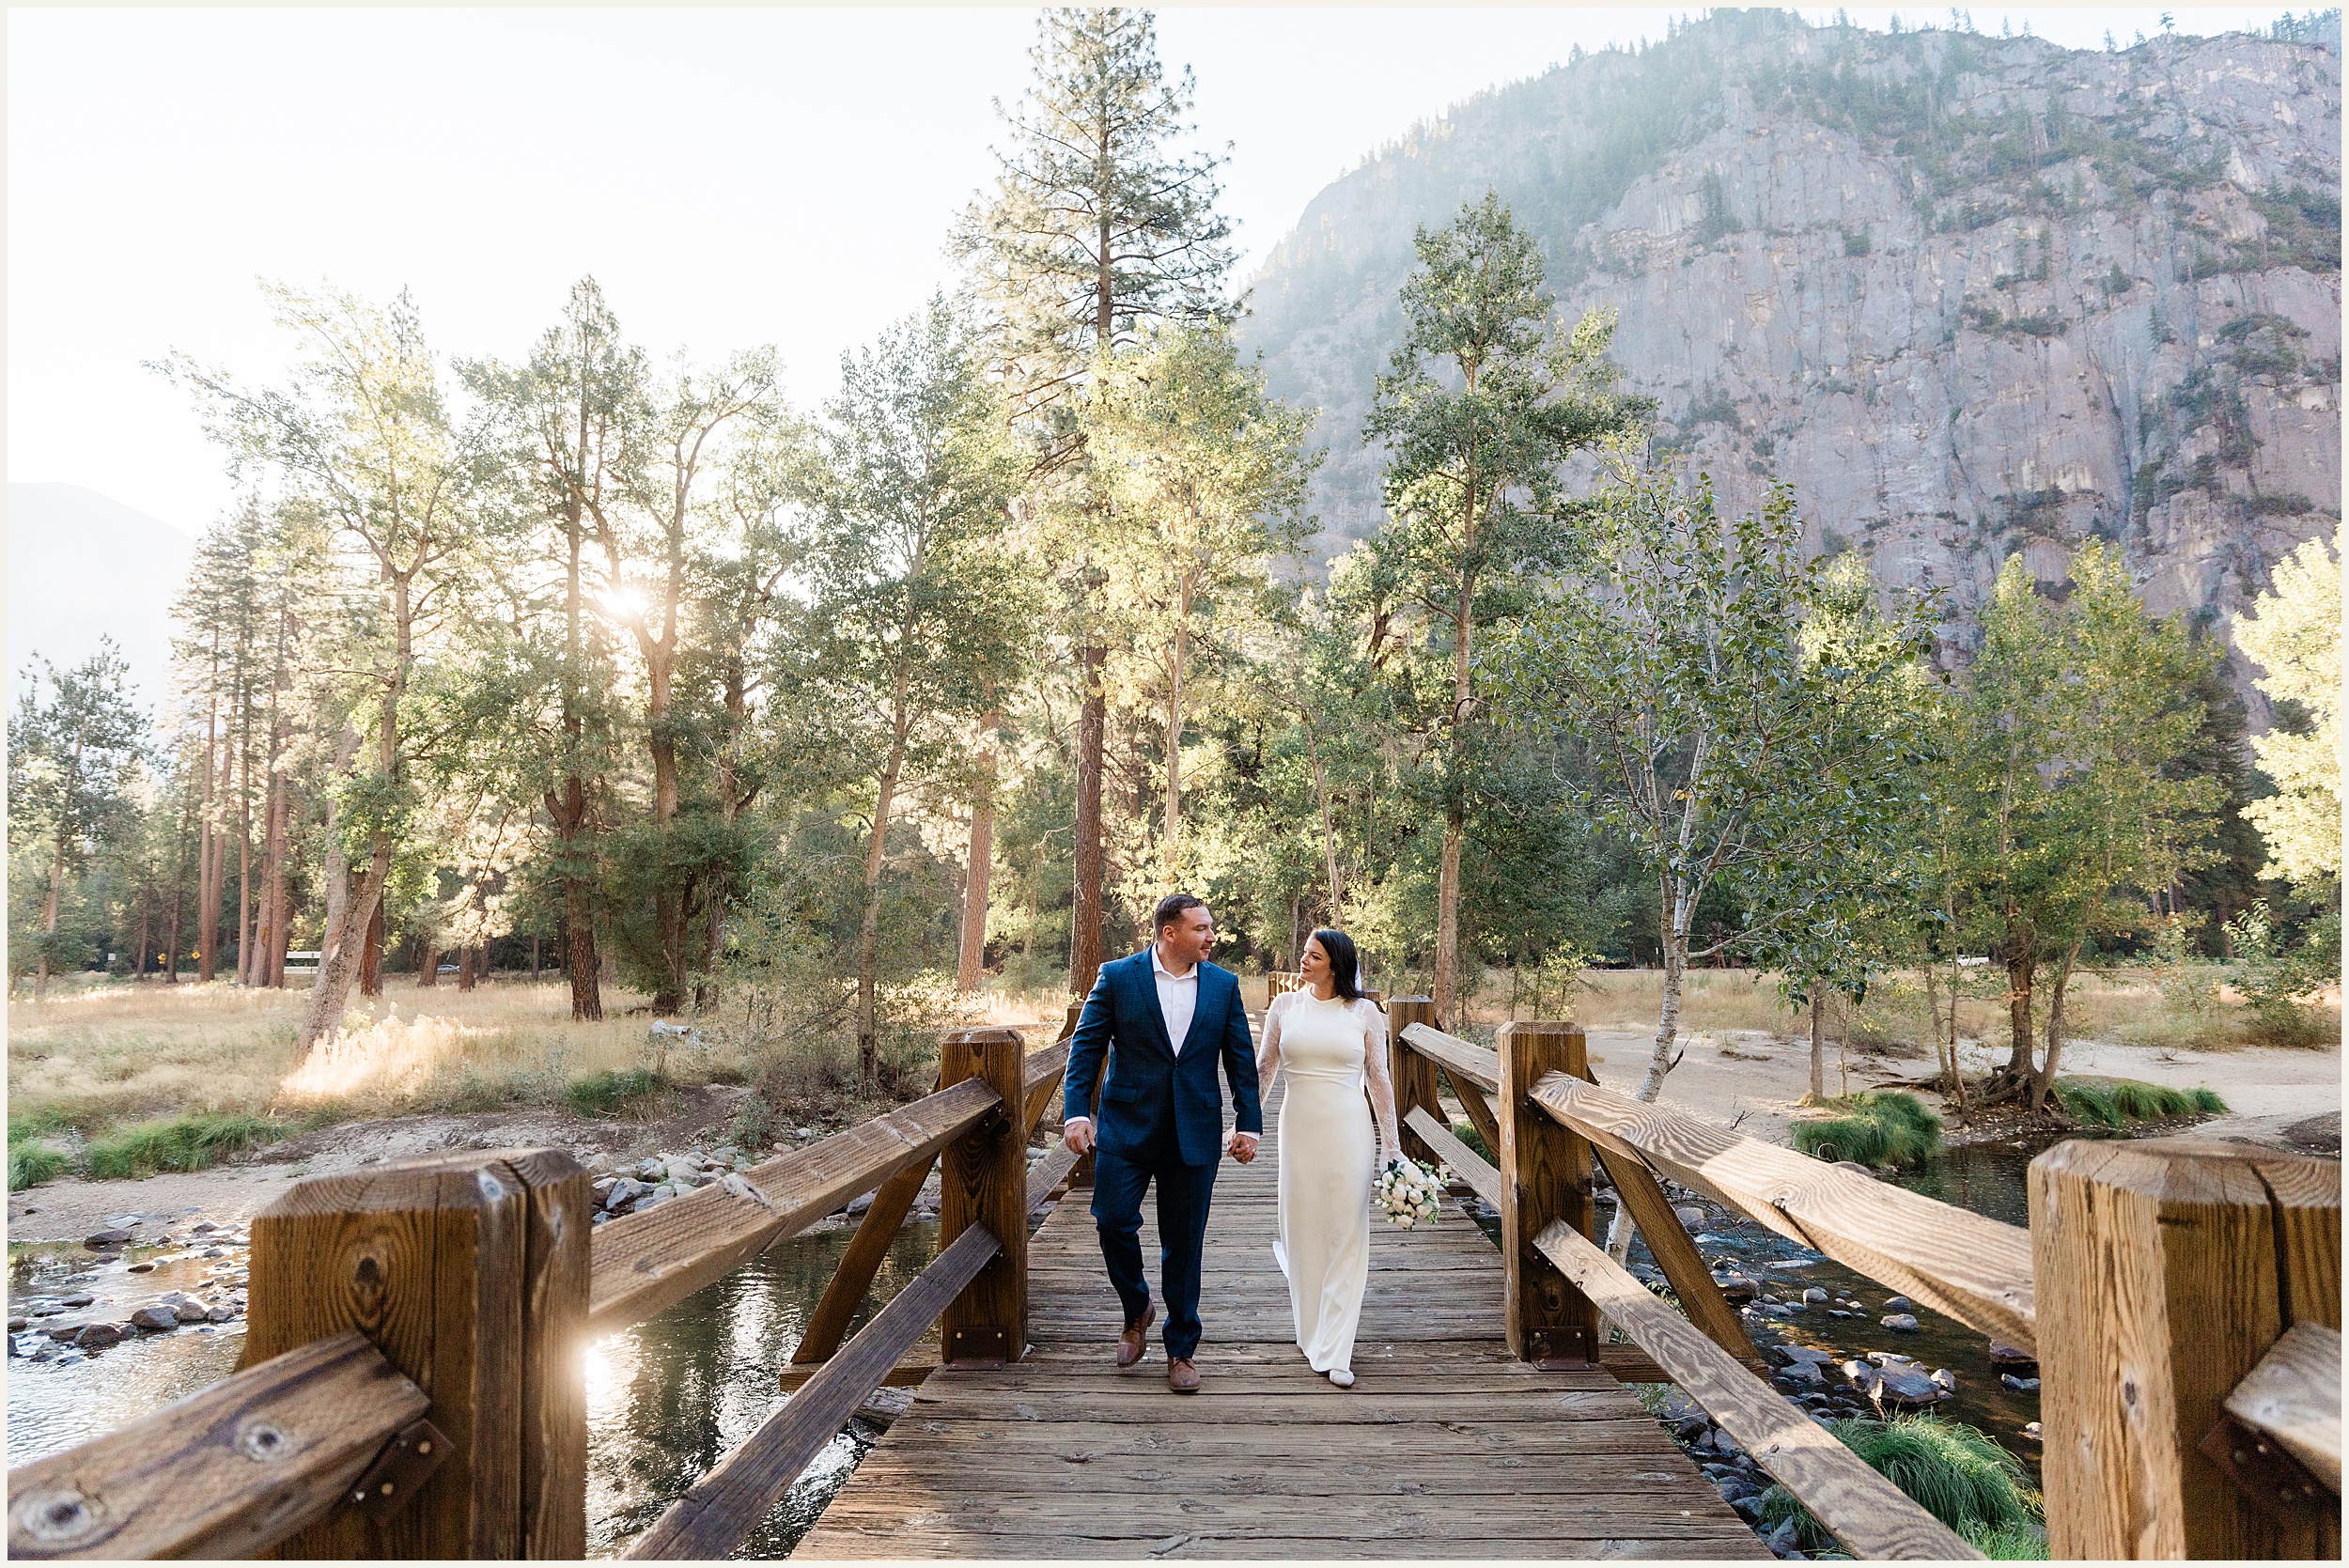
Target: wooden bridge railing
411, 1383
2183, 1298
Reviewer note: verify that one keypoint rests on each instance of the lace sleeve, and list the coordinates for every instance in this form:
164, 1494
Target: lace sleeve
1374, 1077
1268, 1053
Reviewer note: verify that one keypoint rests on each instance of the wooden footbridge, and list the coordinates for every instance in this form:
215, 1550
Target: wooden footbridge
413, 1384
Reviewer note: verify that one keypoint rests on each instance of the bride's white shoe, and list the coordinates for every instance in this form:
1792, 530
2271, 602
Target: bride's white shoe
1342, 1377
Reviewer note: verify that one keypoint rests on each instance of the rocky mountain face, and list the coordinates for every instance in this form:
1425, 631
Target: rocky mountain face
1967, 295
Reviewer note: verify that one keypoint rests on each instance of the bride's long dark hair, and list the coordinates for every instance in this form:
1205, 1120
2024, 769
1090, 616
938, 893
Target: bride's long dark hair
1345, 963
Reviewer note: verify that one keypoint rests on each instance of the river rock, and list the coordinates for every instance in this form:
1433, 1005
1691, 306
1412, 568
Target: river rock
1898, 1304
1787, 1355
1689, 1215
189, 1311
1899, 1386
2020, 1385
1815, 1296
155, 1318
100, 1240
1803, 1374
203, 1227
2023, 1363
18, 1325
79, 1298
1737, 1287
624, 1191
1899, 1322
97, 1336
652, 1168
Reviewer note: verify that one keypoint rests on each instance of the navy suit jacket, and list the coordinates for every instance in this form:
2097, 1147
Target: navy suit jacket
1150, 1090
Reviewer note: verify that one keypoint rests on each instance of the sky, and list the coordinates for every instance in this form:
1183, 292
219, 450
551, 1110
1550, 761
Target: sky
731, 176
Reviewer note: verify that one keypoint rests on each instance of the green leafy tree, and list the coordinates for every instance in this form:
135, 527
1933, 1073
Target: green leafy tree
69, 758
573, 424
1209, 474
365, 441
2059, 770
2294, 635
1732, 702
917, 612
1485, 400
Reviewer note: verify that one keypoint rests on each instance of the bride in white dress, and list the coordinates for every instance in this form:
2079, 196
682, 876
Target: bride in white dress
1332, 1041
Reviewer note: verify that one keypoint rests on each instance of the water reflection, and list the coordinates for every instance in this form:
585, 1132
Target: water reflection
668, 1399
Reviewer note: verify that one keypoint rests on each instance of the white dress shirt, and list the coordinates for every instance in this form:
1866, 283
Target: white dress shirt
1178, 997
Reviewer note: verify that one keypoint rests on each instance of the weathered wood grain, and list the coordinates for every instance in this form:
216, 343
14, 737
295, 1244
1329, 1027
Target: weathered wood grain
1867, 1513
712, 1520
646, 1261
1461, 1060
1412, 1074
430, 1259
1675, 1252
2294, 1396
828, 1324
557, 1258
1447, 1444
1482, 1178
2163, 1279
982, 1183
227, 1472
1974, 1269
1545, 1176
1045, 1070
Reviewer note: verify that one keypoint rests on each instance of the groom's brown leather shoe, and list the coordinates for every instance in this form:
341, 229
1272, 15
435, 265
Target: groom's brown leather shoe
1131, 1342
1182, 1376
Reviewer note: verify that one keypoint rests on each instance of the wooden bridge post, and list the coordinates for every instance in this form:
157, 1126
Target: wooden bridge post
984, 1181
1413, 1075
1545, 1176
470, 1274
2165, 1269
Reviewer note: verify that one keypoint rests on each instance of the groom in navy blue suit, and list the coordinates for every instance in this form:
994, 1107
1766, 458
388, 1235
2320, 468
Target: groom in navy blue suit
1163, 1018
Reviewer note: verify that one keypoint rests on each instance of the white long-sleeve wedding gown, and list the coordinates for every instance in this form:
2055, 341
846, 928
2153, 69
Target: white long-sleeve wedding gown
1331, 1051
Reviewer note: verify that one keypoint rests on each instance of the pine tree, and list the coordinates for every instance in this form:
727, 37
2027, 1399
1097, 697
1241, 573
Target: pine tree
1097, 228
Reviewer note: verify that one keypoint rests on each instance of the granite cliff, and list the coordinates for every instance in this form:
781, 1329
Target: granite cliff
1968, 295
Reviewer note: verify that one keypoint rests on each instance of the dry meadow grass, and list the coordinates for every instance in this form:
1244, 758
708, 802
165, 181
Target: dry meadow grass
111, 1051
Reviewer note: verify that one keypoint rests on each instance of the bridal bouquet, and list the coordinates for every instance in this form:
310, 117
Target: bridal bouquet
1408, 1191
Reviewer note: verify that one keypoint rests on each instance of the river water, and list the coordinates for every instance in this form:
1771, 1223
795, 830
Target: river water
668, 1399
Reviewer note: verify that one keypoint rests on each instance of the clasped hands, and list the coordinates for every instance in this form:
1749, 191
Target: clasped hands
1077, 1138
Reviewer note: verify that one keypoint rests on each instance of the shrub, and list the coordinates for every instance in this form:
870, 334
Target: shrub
608, 1093
195, 1141
1954, 1472
2115, 1102
1873, 1130
1468, 1134
31, 1164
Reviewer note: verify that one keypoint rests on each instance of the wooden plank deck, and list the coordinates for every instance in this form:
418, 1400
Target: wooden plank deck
1445, 1447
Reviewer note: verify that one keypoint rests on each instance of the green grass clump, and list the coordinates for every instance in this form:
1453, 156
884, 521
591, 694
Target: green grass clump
1873, 1130
1955, 1472
195, 1141
608, 1093
2116, 1102
1466, 1132
31, 1164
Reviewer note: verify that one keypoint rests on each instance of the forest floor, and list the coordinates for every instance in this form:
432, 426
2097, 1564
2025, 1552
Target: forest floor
440, 1069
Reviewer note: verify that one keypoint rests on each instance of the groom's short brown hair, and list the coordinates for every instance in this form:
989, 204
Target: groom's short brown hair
1171, 909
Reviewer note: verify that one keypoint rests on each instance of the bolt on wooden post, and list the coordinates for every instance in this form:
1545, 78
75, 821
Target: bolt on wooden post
469, 1272
1413, 1075
2165, 1269
1544, 1175
984, 1181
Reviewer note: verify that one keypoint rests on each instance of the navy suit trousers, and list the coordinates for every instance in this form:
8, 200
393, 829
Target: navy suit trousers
1118, 1181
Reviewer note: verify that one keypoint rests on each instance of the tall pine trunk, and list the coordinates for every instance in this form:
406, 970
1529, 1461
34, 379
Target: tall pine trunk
1085, 907
869, 927
979, 864
371, 954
